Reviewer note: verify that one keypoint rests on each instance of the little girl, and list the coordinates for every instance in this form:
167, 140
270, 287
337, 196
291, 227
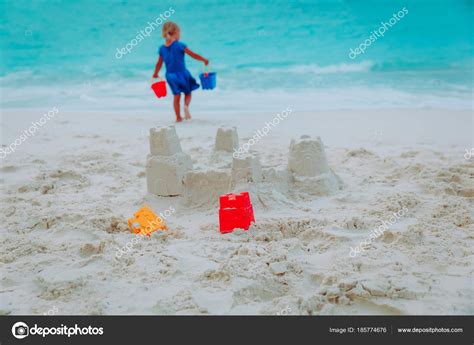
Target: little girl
177, 76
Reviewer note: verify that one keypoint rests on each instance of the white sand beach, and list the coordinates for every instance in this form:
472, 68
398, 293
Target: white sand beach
68, 191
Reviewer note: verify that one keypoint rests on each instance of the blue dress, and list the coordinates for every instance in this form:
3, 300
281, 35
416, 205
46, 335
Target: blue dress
177, 76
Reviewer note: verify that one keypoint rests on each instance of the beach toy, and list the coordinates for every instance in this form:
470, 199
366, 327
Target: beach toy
208, 80
145, 221
235, 212
159, 88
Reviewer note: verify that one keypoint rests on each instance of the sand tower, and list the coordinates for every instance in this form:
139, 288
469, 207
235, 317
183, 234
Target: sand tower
246, 168
226, 143
166, 164
309, 169
226, 139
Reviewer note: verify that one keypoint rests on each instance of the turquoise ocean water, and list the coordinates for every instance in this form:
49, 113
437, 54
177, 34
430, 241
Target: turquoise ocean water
62, 52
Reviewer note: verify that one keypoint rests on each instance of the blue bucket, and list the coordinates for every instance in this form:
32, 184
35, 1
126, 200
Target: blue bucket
208, 80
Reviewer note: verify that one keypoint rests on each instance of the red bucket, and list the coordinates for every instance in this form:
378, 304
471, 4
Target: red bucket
159, 88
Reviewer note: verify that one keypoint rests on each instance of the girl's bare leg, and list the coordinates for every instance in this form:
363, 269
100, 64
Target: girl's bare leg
187, 101
176, 100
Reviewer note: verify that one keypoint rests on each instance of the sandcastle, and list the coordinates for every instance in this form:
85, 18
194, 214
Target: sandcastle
246, 167
309, 169
170, 171
205, 187
227, 141
167, 163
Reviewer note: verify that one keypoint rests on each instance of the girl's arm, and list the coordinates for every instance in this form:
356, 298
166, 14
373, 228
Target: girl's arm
196, 56
158, 67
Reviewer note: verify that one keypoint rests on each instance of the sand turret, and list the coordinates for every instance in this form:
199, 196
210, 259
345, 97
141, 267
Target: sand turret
166, 164
309, 169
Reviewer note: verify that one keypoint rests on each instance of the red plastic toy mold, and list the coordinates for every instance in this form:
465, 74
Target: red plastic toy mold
235, 212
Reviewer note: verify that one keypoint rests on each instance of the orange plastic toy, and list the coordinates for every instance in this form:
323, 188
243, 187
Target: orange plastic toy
145, 222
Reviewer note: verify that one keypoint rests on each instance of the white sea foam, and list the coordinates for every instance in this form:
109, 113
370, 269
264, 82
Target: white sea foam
319, 92
363, 66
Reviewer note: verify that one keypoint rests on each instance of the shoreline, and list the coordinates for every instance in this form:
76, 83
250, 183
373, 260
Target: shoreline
340, 128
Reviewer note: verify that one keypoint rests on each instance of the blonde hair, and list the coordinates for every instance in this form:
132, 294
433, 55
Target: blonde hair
171, 31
